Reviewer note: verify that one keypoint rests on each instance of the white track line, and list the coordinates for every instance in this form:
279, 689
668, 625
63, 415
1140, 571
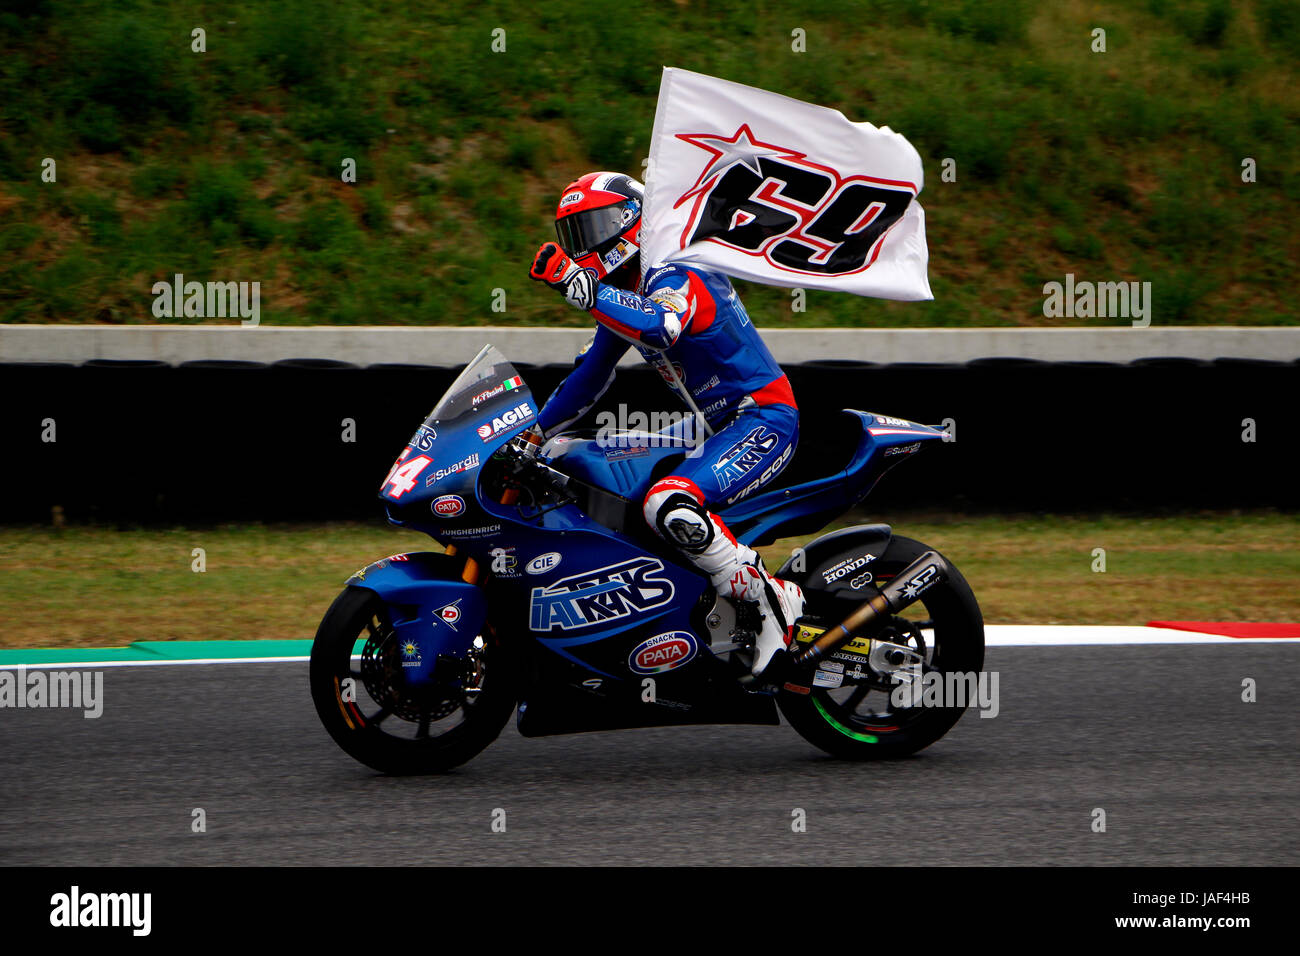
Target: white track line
995, 635
1075, 635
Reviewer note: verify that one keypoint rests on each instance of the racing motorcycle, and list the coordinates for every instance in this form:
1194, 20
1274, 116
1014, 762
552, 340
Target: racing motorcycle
553, 597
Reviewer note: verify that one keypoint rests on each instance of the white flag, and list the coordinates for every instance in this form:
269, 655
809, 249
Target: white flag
767, 188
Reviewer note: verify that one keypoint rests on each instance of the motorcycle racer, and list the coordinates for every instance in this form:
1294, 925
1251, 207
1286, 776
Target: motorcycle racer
691, 326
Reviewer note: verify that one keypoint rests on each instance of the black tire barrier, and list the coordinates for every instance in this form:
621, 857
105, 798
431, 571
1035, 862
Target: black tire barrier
243, 364
221, 440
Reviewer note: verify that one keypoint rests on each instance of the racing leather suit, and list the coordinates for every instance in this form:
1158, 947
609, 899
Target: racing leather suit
692, 327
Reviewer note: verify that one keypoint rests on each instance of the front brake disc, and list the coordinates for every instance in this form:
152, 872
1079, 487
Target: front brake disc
385, 680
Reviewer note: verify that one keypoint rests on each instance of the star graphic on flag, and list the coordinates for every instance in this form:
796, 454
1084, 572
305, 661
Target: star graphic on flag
741, 147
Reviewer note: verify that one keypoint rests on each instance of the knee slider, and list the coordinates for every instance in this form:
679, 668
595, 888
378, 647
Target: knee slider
682, 521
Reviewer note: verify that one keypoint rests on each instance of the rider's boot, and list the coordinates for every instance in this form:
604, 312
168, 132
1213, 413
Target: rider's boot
778, 604
675, 509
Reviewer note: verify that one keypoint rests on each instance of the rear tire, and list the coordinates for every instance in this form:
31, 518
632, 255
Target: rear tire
854, 728
421, 741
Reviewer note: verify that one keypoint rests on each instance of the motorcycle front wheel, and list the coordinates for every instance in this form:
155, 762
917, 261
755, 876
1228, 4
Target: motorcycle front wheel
369, 710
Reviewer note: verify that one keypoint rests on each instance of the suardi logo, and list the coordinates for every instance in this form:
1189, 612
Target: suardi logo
448, 506
663, 652
699, 390
465, 464
600, 596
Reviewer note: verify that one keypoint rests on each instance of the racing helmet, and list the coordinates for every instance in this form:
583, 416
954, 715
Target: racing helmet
597, 223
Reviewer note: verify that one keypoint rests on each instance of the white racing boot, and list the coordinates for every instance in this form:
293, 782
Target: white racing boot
780, 603
674, 508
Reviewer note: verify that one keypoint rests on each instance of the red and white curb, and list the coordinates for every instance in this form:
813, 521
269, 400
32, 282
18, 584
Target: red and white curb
1075, 635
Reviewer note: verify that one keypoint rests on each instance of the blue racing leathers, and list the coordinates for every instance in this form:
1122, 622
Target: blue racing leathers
692, 327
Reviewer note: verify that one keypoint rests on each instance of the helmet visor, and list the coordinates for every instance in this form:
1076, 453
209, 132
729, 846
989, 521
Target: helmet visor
586, 231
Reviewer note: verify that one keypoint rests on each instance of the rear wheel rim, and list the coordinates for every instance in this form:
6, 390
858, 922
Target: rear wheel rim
863, 711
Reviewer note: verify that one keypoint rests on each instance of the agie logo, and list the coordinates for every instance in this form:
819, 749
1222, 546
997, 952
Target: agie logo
506, 421
663, 652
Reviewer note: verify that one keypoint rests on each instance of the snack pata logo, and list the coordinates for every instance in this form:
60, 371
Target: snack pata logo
774, 203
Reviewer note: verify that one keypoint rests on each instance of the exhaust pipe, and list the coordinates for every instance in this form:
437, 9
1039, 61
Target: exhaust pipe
905, 589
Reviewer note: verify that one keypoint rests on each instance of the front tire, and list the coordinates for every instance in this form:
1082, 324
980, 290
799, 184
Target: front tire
858, 721
401, 733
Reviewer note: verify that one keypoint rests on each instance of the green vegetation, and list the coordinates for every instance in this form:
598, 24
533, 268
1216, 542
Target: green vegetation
91, 586
226, 164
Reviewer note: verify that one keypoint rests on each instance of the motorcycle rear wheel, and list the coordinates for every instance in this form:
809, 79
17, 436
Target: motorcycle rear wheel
859, 721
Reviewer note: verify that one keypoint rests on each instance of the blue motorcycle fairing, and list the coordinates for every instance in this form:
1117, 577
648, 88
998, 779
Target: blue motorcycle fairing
432, 611
433, 486
625, 469
882, 442
592, 595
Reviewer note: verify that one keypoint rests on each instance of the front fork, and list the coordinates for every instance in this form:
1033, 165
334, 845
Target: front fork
472, 572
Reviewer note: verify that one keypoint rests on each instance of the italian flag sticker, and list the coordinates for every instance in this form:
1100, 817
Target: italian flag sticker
513, 382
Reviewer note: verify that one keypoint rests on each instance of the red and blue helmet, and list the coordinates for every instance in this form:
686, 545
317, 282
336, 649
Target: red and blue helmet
598, 221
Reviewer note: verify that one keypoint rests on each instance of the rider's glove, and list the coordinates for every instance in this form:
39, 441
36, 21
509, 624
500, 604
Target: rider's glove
564, 275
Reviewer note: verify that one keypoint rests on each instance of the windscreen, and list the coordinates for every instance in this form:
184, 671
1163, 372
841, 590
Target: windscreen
486, 405
489, 375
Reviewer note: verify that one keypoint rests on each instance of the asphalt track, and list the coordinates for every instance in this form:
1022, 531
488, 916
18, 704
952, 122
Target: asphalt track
1157, 736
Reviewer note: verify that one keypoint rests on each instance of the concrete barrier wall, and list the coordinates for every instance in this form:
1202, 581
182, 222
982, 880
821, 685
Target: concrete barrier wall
434, 345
